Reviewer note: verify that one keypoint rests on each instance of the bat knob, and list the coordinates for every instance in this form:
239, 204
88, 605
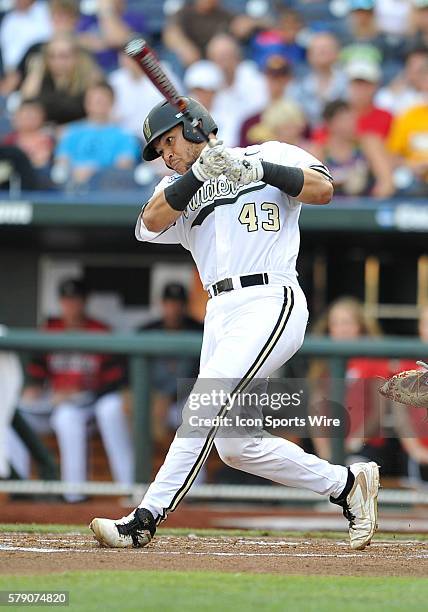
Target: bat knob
135, 46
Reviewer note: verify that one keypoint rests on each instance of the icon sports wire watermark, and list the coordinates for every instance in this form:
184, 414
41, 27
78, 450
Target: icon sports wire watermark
286, 407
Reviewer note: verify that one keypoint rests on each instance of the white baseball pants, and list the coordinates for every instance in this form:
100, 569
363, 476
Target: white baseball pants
248, 333
10, 388
70, 424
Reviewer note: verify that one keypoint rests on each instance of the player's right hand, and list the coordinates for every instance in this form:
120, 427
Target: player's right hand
212, 161
246, 170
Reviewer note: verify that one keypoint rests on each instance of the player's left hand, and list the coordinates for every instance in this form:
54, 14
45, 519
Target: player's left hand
245, 170
211, 162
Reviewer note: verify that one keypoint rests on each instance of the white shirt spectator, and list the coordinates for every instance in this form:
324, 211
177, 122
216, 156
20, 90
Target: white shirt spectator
22, 28
398, 102
245, 97
307, 93
393, 16
325, 80
135, 96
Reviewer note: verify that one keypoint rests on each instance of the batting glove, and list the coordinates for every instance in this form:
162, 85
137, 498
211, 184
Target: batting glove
212, 162
245, 170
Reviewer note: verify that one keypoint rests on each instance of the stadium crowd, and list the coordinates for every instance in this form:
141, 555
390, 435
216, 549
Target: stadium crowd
347, 80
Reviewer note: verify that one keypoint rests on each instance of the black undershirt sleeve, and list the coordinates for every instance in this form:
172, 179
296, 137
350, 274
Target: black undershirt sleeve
181, 191
286, 178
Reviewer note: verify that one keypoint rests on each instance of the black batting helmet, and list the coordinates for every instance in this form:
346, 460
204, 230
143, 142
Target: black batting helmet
164, 116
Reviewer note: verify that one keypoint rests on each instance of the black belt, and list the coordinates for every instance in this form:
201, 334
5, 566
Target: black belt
249, 280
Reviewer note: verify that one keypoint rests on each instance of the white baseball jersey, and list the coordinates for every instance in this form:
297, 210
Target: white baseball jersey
234, 230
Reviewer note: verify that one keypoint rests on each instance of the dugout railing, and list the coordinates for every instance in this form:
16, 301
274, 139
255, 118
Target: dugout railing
140, 349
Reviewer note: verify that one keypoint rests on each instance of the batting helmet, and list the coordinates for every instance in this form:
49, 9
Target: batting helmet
164, 116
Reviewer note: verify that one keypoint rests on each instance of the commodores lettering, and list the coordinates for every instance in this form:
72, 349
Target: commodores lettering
210, 191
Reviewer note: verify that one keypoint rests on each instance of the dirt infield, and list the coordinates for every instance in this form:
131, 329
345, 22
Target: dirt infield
23, 553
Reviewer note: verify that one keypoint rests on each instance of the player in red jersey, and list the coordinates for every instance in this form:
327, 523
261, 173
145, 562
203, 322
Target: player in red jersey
67, 392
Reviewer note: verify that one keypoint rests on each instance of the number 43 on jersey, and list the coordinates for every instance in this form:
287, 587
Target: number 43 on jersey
270, 222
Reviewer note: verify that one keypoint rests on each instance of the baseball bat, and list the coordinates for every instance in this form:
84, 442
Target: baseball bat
144, 56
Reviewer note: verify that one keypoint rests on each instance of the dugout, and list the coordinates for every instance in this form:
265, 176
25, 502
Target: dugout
377, 251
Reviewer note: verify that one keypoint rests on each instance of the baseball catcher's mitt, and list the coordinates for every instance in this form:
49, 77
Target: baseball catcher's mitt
409, 387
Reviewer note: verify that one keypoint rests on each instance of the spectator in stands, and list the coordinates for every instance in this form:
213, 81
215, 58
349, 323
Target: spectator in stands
190, 29
64, 16
59, 78
408, 143
281, 39
325, 80
346, 320
17, 172
364, 41
284, 121
203, 80
134, 94
95, 143
359, 164
244, 92
65, 392
411, 423
419, 22
28, 23
30, 134
105, 32
364, 77
393, 17
404, 91
166, 371
279, 78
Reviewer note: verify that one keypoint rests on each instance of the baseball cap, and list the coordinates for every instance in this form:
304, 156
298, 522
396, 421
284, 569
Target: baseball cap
364, 71
204, 75
174, 291
277, 65
73, 287
361, 5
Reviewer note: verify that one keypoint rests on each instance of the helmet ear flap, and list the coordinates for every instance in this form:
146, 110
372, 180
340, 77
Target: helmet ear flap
191, 133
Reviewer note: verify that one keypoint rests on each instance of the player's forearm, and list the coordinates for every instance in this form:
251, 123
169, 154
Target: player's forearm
164, 210
317, 189
158, 214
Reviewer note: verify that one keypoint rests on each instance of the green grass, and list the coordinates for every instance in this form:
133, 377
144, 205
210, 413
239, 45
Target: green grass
165, 591
217, 592
331, 535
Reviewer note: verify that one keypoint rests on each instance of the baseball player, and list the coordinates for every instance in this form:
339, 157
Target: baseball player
237, 212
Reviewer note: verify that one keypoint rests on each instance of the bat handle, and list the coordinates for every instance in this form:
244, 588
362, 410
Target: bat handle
195, 124
212, 142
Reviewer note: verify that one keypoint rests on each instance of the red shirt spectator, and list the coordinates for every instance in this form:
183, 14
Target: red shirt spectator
70, 371
374, 121
73, 372
363, 376
364, 77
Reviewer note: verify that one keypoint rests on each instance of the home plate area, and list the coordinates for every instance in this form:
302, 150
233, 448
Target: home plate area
24, 553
